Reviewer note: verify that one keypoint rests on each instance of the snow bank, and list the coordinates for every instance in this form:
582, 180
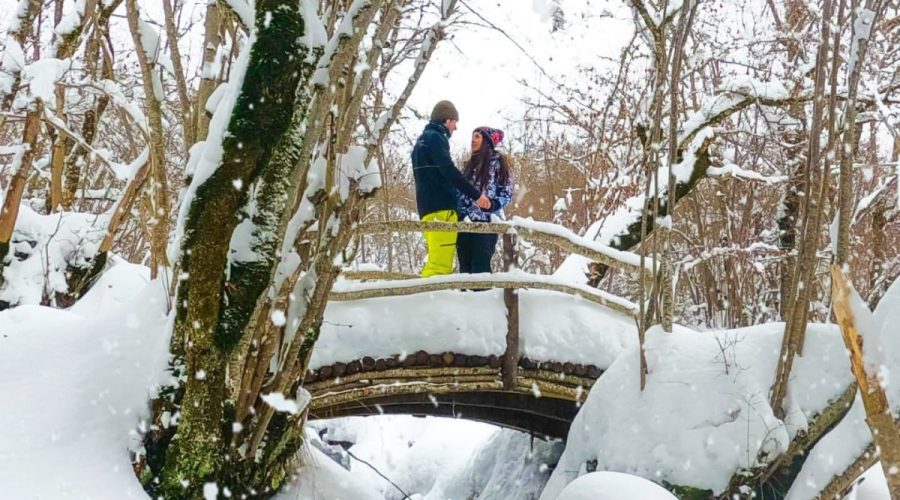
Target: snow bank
553, 327
509, 465
840, 447
613, 486
704, 413
115, 287
321, 478
43, 248
77, 383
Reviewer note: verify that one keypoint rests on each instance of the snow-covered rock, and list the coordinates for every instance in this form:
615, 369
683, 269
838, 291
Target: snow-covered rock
613, 486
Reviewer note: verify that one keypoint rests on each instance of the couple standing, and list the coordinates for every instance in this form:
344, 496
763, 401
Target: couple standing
443, 193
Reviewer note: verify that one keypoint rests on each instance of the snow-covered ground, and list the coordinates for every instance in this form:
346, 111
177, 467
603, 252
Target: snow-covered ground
704, 413
75, 384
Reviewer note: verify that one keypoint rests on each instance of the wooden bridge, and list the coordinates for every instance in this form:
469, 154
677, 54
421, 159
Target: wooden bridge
506, 389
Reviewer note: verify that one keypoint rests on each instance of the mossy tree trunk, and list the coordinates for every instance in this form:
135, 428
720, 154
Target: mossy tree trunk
210, 318
224, 339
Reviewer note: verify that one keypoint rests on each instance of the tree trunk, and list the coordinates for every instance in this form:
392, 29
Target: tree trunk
849, 146
878, 411
79, 158
159, 206
260, 120
208, 76
795, 328
183, 100
28, 11
9, 210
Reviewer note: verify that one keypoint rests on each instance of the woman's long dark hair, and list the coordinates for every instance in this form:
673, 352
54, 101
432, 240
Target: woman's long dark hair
478, 168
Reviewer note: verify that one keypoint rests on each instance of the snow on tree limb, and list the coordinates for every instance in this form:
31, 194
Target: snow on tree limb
243, 9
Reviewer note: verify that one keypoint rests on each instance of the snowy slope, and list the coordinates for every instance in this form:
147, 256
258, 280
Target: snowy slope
441, 458
704, 413
840, 447
76, 386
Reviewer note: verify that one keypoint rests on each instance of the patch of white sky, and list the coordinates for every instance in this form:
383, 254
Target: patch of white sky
480, 69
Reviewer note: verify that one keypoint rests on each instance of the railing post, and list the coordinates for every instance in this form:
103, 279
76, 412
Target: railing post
510, 367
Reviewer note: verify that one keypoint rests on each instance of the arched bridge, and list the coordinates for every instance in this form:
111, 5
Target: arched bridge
543, 399
524, 360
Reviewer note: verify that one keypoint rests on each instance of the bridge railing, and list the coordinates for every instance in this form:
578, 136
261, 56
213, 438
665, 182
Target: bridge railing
387, 284
534, 231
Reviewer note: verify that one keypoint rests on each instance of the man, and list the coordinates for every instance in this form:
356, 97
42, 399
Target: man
437, 181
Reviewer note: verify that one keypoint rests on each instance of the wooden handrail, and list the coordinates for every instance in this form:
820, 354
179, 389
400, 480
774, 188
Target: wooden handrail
353, 274
561, 238
496, 280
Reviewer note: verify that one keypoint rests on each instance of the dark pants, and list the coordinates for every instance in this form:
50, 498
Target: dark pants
474, 251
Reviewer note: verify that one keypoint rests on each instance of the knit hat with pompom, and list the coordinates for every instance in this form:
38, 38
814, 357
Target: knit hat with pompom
493, 135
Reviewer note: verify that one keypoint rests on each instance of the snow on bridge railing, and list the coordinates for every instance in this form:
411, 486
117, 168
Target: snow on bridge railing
411, 284
534, 231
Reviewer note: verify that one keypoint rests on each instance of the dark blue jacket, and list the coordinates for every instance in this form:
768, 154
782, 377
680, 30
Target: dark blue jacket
437, 178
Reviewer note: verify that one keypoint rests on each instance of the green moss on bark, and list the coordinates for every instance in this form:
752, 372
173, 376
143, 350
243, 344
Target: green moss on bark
261, 119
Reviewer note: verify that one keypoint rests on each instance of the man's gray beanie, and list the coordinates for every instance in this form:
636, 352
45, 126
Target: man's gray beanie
443, 111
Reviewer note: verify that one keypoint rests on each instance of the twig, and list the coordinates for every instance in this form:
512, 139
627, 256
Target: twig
405, 494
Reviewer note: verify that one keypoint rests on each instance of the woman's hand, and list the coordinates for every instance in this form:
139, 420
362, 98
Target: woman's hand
483, 203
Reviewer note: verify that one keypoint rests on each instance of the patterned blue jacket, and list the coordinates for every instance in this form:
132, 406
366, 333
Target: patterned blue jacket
499, 194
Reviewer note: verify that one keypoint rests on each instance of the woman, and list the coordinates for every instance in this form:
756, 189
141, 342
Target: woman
489, 172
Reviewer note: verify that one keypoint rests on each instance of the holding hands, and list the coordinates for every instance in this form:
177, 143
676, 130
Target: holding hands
483, 202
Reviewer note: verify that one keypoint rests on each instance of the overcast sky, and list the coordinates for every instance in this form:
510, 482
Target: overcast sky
479, 69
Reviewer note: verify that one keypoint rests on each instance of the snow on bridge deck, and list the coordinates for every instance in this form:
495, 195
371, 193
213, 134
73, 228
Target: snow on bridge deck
553, 326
